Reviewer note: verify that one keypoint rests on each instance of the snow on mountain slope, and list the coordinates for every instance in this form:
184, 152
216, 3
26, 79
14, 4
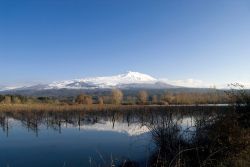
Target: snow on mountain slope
122, 81
3, 88
105, 82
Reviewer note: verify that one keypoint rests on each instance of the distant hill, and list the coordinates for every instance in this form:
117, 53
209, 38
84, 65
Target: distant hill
127, 92
130, 83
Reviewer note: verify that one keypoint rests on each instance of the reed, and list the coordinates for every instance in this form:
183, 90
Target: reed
74, 107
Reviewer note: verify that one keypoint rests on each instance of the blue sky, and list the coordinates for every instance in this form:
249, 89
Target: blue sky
47, 40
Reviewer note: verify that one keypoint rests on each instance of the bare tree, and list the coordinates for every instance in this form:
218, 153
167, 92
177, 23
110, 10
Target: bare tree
116, 96
80, 99
6, 100
16, 100
154, 99
84, 99
100, 100
142, 97
88, 100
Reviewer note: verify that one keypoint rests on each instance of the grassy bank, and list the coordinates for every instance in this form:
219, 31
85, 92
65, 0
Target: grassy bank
75, 107
104, 107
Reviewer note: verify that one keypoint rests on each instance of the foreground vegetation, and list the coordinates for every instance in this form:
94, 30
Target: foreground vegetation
219, 141
118, 97
115, 100
221, 137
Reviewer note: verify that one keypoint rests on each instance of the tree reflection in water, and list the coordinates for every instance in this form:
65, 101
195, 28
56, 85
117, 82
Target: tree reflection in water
182, 136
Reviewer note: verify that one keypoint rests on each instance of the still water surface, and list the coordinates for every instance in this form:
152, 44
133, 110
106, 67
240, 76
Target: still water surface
79, 140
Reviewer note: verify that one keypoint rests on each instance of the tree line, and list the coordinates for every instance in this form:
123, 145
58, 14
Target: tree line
117, 97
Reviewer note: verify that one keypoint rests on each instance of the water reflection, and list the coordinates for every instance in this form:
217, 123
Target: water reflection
126, 122
95, 138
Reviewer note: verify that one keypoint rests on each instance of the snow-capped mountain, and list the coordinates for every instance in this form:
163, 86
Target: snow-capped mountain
105, 82
127, 80
3, 88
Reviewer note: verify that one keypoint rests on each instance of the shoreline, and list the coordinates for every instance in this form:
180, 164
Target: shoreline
93, 107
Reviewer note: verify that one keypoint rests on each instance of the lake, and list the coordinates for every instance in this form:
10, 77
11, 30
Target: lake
80, 139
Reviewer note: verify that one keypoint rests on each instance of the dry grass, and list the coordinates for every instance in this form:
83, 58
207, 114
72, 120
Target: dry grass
66, 107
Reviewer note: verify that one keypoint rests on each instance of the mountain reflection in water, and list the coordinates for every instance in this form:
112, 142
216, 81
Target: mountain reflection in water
84, 138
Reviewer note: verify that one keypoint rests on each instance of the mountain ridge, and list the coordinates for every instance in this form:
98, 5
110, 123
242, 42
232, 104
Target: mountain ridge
128, 80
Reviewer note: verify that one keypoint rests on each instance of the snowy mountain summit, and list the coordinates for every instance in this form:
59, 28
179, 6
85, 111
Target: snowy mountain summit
105, 82
128, 80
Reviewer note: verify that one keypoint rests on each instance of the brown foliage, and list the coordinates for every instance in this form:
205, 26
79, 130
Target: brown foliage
154, 99
195, 98
84, 99
100, 100
116, 96
142, 97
